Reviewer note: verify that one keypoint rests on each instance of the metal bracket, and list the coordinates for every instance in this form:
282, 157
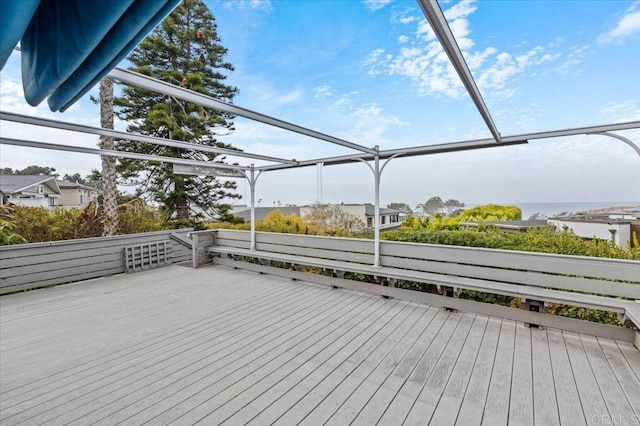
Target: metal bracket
532, 305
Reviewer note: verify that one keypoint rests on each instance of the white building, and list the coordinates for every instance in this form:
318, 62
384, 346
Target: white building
29, 190
615, 227
389, 218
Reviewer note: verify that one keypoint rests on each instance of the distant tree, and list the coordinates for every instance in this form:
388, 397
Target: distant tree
30, 170
330, 219
491, 213
403, 207
538, 216
94, 179
432, 206
184, 50
453, 208
75, 178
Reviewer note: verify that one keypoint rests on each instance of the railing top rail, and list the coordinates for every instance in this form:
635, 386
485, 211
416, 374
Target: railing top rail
92, 239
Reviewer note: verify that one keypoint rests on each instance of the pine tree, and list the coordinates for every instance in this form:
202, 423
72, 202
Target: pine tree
184, 50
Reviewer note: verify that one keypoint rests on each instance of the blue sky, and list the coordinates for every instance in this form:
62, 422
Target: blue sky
372, 73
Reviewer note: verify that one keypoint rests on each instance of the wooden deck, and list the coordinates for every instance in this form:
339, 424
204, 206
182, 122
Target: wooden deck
221, 346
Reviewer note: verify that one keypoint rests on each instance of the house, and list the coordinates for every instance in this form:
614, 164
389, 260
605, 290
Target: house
617, 227
76, 194
509, 225
30, 190
389, 218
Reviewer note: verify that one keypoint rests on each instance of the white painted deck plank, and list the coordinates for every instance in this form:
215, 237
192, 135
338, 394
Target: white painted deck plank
288, 392
591, 399
449, 404
496, 410
632, 355
153, 371
426, 402
182, 345
545, 405
385, 394
235, 315
475, 396
612, 392
521, 403
401, 404
569, 405
623, 372
208, 369
262, 378
360, 391
396, 346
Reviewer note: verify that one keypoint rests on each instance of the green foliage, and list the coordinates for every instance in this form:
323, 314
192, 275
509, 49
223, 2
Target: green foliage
38, 224
543, 240
184, 50
491, 213
8, 234
30, 170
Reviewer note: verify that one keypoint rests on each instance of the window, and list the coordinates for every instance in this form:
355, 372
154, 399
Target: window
383, 220
40, 189
81, 197
369, 222
52, 202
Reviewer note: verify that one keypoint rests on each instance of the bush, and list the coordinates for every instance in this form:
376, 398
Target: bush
38, 224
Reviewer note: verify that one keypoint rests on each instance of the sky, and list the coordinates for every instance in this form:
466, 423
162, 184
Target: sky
372, 72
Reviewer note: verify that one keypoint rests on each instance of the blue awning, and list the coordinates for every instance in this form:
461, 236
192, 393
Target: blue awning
69, 45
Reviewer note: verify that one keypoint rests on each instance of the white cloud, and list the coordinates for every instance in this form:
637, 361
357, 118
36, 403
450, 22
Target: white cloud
249, 4
424, 62
573, 58
374, 5
623, 111
323, 92
628, 27
404, 16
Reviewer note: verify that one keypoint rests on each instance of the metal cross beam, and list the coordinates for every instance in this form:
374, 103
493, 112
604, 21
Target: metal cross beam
55, 124
145, 82
120, 154
438, 22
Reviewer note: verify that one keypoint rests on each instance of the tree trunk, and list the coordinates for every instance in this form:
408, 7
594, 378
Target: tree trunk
109, 177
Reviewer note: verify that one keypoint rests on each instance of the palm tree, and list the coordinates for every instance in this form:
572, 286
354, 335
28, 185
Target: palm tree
109, 176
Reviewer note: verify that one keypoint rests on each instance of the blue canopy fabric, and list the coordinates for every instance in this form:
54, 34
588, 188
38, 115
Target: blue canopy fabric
69, 45
14, 19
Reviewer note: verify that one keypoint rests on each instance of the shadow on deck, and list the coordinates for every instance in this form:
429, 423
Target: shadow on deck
220, 345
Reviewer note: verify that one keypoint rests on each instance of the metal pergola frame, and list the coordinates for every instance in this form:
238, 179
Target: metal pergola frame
370, 156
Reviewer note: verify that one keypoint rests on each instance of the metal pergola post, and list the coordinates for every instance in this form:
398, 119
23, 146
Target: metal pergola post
377, 175
252, 178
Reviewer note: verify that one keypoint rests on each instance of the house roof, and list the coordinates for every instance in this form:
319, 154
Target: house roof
509, 224
262, 212
370, 210
16, 183
64, 184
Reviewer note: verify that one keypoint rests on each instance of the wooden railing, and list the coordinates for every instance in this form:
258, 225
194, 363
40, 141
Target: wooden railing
36, 265
537, 278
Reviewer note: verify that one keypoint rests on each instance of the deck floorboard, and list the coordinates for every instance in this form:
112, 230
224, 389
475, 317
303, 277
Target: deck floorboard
222, 346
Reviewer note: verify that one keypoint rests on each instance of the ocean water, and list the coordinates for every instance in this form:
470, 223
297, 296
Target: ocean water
553, 209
